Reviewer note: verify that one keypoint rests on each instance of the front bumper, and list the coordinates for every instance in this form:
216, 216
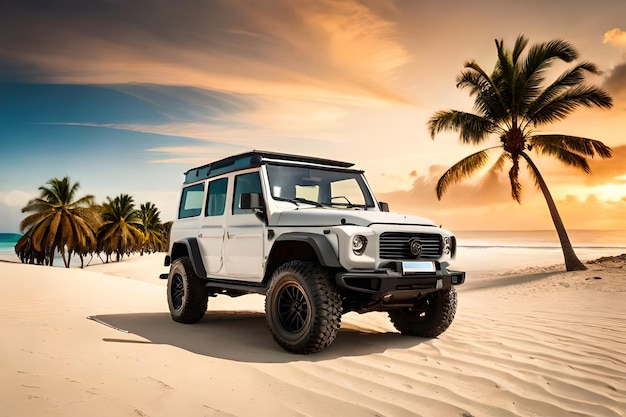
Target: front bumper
390, 284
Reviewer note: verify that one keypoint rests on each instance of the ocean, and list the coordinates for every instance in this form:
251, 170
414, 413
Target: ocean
7, 251
583, 239
8, 241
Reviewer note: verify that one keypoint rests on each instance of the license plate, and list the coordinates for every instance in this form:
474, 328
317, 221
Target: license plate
414, 267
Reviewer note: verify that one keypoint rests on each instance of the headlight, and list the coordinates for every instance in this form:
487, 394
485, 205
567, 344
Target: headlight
447, 247
359, 242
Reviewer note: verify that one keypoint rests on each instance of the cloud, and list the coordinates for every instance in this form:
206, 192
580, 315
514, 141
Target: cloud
608, 171
283, 47
15, 198
490, 189
615, 37
485, 203
11, 203
248, 74
615, 82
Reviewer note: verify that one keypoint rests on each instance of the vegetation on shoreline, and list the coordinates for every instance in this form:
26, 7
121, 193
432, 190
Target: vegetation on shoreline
61, 222
512, 103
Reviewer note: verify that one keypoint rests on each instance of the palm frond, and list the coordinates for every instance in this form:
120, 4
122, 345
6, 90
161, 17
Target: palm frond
561, 106
552, 146
36, 205
487, 102
572, 77
462, 169
583, 146
485, 88
520, 44
539, 58
472, 128
542, 55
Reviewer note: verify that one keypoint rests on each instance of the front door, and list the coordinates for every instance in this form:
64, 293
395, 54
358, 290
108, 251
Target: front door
243, 245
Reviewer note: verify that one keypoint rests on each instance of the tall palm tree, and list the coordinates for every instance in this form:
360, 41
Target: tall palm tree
58, 222
152, 228
120, 231
511, 103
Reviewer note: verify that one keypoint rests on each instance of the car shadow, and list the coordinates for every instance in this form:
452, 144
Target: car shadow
243, 336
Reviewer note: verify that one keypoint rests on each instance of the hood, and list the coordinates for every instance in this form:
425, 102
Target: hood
335, 217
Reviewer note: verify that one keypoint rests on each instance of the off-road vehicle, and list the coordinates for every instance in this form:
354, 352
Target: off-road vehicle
309, 234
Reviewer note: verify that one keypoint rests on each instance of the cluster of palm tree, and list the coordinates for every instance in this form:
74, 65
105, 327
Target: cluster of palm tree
512, 104
78, 227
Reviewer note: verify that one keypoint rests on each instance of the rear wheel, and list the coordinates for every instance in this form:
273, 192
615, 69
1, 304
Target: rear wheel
302, 307
431, 315
187, 295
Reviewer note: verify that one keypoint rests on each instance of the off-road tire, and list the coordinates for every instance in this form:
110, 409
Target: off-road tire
187, 296
430, 321
302, 307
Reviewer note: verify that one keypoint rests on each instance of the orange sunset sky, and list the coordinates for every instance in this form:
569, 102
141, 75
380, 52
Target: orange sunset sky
124, 96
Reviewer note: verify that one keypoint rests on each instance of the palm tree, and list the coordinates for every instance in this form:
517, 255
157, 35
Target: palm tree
152, 228
167, 231
57, 221
510, 104
120, 231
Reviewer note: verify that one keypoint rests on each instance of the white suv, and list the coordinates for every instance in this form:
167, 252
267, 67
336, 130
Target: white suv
310, 235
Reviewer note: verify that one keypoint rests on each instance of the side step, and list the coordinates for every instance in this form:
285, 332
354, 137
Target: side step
223, 284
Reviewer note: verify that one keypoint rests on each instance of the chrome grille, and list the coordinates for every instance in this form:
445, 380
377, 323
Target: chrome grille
395, 245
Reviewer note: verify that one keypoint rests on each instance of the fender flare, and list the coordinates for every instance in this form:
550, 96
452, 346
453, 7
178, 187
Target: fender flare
321, 246
192, 250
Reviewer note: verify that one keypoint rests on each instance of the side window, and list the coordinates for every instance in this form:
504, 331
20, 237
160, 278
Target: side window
191, 201
246, 183
216, 201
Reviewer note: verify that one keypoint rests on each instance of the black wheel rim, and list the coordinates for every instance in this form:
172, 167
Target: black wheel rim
177, 291
293, 308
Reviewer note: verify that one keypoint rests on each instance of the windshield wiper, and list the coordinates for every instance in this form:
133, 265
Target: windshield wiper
350, 205
300, 200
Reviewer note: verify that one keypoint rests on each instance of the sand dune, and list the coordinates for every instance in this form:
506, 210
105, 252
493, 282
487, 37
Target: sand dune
100, 342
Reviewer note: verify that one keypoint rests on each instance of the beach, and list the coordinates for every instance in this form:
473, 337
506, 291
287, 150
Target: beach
528, 340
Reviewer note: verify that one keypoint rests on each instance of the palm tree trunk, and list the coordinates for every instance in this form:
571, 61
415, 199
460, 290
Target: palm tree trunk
65, 262
572, 263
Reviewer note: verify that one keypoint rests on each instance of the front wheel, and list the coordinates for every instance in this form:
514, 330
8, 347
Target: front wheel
187, 296
431, 316
302, 307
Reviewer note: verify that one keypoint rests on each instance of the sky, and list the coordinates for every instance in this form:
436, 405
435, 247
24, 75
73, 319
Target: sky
124, 97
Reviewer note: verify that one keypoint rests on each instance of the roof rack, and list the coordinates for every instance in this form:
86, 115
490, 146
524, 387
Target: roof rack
254, 159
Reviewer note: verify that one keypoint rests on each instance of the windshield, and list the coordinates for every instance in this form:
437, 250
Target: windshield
318, 187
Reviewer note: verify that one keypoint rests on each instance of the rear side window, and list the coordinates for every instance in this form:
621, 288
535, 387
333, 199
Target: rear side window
216, 201
191, 201
246, 183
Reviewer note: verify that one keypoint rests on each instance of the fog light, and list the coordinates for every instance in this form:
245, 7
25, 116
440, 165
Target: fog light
359, 242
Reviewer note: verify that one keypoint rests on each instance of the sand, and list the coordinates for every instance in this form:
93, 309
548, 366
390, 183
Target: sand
100, 342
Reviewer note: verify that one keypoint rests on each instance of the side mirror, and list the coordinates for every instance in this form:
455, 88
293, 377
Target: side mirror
383, 206
252, 201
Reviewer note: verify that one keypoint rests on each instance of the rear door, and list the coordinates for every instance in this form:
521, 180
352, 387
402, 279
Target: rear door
213, 229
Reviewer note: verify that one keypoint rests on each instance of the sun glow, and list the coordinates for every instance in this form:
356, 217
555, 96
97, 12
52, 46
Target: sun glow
604, 192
